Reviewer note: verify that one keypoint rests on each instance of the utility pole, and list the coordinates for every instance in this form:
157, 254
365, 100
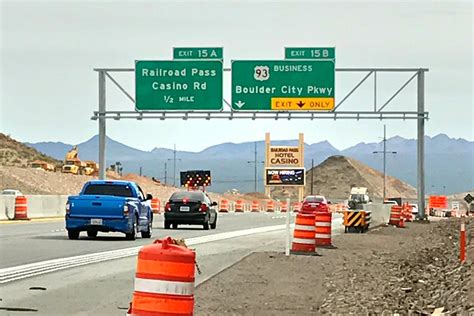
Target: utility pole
255, 167
166, 172
312, 171
384, 152
174, 164
140, 171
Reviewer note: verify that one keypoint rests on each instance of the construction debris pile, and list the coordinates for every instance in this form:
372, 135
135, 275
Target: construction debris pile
425, 278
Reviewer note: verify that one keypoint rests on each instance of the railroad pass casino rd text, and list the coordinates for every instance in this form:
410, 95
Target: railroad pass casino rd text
178, 73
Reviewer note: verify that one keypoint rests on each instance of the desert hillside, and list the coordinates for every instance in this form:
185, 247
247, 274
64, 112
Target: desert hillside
335, 176
14, 153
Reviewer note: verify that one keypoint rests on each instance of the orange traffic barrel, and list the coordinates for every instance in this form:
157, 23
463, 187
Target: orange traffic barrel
296, 206
284, 206
224, 206
21, 208
408, 215
155, 205
255, 206
239, 206
164, 281
303, 235
322, 225
395, 214
270, 206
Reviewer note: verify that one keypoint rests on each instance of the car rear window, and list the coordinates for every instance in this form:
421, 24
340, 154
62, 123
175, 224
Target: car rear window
193, 196
314, 199
109, 189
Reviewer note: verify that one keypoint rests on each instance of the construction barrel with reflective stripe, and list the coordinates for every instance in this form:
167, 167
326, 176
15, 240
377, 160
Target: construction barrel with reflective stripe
270, 206
224, 206
164, 281
303, 235
21, 208
283, 206
239, 206
155, 205
322, 225
395, 214
407, 212
255, 206
296, 206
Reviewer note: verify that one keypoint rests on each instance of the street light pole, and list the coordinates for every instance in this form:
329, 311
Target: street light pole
384, 152
166, 172
312, 172
174, 164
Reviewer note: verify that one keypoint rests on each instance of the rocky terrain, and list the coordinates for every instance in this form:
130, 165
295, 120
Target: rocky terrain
387, 271
14, 153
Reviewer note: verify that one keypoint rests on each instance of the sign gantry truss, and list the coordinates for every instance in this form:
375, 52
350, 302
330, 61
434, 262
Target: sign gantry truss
379, 112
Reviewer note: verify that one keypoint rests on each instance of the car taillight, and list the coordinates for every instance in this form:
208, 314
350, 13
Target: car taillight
204, 207
68, 208
167, 207
125, 209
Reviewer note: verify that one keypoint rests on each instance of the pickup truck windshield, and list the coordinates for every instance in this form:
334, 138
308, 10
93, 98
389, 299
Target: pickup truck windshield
109, 189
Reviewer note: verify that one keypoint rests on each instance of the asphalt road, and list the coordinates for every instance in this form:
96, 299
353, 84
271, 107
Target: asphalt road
106, 288
29, 242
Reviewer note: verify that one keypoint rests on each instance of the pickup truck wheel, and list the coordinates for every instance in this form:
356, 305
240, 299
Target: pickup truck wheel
73, 234
167, 225
148, 233
92, 233
206, 225
133, 234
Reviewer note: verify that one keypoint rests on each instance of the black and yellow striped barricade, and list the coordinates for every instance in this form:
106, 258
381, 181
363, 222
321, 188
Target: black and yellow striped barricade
356, 221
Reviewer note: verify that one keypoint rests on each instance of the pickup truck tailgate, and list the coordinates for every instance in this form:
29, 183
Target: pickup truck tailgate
99, 206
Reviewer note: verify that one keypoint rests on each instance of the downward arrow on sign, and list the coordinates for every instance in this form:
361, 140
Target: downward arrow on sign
239, 104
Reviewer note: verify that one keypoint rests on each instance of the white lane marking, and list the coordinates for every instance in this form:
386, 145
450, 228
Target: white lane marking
38, 268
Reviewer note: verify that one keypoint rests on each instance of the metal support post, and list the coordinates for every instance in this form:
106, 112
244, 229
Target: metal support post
288, 231
312, 171
102, 166
384, 162
421, 144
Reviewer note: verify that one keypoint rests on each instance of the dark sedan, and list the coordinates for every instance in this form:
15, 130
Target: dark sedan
191, 208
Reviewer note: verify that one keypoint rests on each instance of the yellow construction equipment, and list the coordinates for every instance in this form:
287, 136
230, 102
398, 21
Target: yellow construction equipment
72, 164
42, 165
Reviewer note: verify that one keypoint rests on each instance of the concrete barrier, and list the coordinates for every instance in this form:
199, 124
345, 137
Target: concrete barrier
38, 206
380, 213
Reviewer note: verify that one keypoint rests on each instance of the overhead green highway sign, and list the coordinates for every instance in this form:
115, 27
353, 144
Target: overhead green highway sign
283, 85
178, 85
310, 53
198, 53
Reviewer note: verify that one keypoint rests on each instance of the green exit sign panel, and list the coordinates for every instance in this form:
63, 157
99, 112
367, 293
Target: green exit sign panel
178, 85
283, 85
198, 53
310, 53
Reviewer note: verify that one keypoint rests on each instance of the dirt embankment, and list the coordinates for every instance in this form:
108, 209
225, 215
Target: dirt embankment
386, 271
335, 177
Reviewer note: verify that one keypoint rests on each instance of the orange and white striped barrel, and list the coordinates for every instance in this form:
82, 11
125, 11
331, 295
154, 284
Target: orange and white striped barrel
239, 206
408, 213
322, 225
255, 206
283, 206
270, 206
297, 206
155, 205
224, 206
21, 208
164, 281
395, 214
303, 235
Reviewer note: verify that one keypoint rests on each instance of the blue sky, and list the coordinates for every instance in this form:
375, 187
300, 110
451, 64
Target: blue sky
49, 48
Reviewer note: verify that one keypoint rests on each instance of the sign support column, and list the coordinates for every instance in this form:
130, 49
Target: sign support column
421, 144
267, 163
301, 145
102, 131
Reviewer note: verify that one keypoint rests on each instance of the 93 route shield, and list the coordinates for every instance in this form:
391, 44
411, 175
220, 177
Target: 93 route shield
283, 85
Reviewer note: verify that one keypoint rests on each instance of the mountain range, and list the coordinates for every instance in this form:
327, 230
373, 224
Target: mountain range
449, 162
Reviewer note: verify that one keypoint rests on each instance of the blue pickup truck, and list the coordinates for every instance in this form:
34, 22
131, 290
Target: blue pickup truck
109, 206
